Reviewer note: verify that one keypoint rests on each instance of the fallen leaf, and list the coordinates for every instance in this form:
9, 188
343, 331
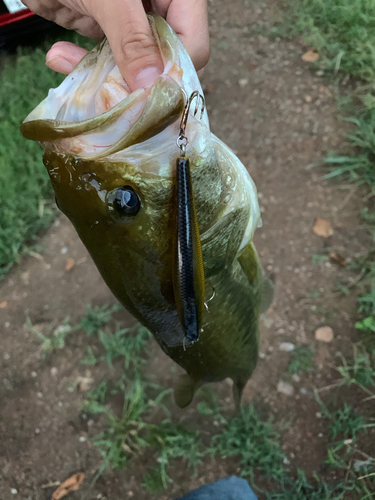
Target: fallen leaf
324, 334
3, 304
69, 264
310, 56
338, 259
71, 484
322, 228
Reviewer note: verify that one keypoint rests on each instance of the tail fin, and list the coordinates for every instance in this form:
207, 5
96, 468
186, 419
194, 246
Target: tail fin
184, 390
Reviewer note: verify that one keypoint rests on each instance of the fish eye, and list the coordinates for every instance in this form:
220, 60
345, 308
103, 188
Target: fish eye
127, 201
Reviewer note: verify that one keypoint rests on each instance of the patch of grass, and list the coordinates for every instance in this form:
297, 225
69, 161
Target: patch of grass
360, 371
124, 436
301, 489
55, 340
343, 31
345, 423
254, 441
96, 317
174, 441
153, 481
25, 193
302, 359
128, 343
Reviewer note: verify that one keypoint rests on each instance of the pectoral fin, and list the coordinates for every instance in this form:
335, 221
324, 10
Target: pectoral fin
184, 391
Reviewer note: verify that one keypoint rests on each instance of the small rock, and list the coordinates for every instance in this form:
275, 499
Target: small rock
318, 414
37, 431
64, 250
25, 277
39, 394
296, 378
360, 464
308, 98
324, 334
33, 374
286, 346
54, 371
84, 383
303, 391
243, 82
348, 441
262, 355
286, 461
14, 491
285, 388
322, 228
82, 439
90, 422
6, 356
320, 434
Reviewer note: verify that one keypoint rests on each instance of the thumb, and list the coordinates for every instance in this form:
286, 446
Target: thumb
133, 44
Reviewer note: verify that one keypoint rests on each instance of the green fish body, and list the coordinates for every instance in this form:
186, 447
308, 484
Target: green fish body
111, 156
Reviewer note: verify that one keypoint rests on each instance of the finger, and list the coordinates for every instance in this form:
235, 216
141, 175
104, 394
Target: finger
64, 56
188, 18
133, 44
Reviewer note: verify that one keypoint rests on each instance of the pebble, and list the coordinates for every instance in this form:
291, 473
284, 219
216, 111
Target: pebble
37, 431
33, 374
320, 434
243, 82
14, 491
39, 394
296, 378
303, 391
324, 334
64, 250
360, 464
286, 461
82, 439
262, 355
286, 346
285, 388
318, 414
53, 371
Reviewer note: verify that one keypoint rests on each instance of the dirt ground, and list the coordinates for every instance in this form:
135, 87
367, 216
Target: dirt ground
278, 114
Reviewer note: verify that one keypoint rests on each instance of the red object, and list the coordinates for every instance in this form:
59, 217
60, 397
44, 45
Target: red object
8, 18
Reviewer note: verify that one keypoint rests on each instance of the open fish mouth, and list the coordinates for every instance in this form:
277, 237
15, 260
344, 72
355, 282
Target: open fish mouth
93, 113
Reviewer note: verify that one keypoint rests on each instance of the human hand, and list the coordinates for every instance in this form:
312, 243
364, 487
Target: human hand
125, 24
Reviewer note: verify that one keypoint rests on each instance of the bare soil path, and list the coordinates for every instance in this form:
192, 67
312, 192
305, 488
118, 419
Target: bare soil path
279, 116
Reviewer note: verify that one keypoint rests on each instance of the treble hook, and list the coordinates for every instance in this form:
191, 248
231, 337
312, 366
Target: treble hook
182, 140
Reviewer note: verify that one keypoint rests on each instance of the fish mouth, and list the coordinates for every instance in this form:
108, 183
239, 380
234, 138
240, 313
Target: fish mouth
93, 114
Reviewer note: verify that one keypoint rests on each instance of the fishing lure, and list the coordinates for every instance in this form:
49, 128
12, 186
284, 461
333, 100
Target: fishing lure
188, 268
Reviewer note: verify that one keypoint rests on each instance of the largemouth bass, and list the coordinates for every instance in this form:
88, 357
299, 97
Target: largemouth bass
111, 157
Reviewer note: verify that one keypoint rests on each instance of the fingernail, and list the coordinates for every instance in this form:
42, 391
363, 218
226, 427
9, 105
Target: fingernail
147, 77
60, 64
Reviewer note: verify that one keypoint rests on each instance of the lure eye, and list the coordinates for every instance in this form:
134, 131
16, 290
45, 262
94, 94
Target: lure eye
127, 201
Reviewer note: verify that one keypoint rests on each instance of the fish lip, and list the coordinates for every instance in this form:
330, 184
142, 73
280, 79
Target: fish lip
43, 125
